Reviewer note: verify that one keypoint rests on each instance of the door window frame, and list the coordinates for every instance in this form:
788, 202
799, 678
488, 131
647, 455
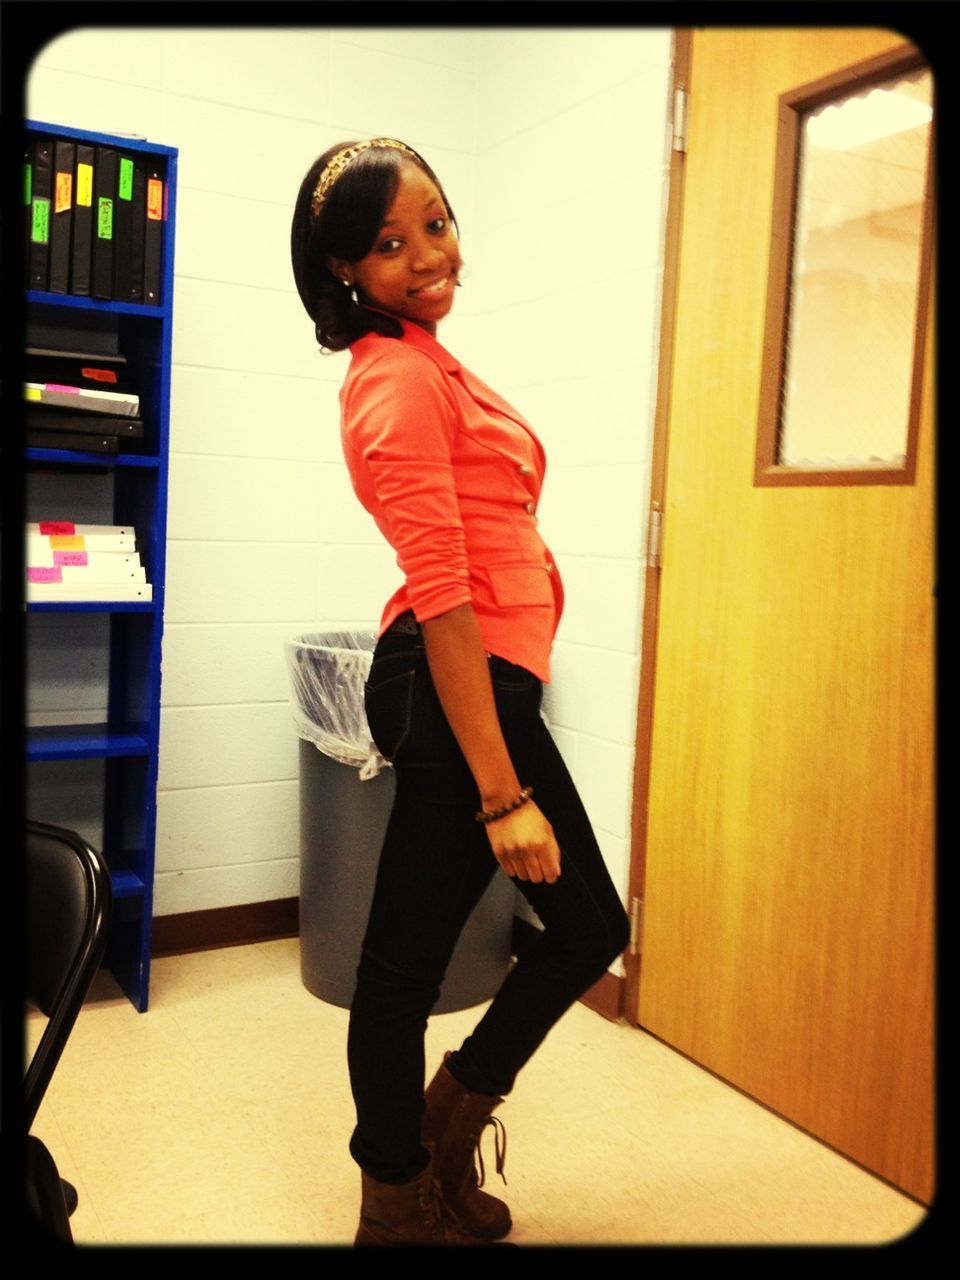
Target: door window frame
792, 106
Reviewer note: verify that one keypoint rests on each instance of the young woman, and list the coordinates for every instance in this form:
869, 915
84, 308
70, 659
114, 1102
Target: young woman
451, 474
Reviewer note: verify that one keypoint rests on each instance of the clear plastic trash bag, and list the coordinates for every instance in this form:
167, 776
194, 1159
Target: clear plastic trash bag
327, 673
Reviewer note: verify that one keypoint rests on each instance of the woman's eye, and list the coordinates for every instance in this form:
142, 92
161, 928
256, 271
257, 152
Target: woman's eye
388, 246
438, 224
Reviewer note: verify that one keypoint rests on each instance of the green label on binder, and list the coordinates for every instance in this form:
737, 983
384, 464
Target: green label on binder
27, 183
126, 179
40, 233
105, 218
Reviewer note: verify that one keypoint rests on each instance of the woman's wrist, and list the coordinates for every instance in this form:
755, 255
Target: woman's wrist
488, 815
496, 795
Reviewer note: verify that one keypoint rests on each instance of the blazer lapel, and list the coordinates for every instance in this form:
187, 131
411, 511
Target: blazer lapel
474, 387
485, 396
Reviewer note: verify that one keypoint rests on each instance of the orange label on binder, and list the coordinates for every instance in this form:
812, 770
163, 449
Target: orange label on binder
57, 526
155, 199
67, 542
85, 184
99, 375
64, 196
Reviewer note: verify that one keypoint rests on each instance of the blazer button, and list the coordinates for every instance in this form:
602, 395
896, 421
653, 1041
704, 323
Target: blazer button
525, 470
530, 508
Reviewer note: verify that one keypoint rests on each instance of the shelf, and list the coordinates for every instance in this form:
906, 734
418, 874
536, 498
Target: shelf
110, 305
117, 662
86, 741
91, 606
129, 141
126, 884
75, 458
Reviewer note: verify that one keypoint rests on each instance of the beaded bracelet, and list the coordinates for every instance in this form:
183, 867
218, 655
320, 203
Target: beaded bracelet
491, 815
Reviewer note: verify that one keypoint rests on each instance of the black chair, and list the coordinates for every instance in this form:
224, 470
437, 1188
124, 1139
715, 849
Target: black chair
68, 909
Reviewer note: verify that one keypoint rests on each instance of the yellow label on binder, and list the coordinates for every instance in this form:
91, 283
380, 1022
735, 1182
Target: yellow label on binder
67, 542
85, 184
64, 195
31, 393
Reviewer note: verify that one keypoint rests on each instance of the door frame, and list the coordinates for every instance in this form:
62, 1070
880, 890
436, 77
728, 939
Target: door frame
683, 43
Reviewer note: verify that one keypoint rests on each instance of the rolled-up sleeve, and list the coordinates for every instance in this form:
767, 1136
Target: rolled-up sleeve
400, 423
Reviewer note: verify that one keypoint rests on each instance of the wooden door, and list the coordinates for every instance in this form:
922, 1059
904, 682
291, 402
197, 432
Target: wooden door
787, 854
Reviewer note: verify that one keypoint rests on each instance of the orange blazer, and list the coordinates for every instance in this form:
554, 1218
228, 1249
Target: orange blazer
452, 474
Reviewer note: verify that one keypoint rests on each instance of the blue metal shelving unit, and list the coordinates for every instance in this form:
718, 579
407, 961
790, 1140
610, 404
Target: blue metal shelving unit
128, 741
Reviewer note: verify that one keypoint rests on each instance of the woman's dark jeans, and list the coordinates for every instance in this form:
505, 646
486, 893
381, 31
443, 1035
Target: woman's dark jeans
435, 865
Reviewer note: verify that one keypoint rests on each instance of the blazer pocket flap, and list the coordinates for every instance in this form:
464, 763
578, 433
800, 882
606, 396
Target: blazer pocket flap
520, 584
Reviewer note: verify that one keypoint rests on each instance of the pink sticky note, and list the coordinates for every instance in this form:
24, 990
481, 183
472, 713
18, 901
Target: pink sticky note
44, 575
70, 557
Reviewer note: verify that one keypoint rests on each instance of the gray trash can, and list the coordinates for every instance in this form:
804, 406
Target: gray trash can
346, 792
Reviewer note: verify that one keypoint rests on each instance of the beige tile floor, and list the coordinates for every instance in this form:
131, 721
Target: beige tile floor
221, 1116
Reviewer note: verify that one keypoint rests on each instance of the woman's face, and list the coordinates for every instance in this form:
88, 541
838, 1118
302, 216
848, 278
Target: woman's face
411, 271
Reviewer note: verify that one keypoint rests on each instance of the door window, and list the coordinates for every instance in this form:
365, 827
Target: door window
849, 279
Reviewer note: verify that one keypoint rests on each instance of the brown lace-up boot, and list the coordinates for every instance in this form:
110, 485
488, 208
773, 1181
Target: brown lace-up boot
453, 1121
408, 1213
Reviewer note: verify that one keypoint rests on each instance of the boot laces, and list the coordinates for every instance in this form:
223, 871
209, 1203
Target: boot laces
430, 1204
499, 1146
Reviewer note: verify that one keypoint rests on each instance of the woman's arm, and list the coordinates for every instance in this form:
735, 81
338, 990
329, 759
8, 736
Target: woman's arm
523, 841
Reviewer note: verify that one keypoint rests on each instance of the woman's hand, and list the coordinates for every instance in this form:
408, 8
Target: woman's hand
524, 845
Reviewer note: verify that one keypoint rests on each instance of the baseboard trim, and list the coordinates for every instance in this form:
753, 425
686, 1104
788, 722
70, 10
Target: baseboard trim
225, 927
606, 997
267, 921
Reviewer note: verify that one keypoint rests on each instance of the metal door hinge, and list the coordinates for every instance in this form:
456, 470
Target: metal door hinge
680, 99
636, 925
654, 535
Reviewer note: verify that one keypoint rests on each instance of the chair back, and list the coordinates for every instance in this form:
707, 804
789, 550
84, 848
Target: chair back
68, 910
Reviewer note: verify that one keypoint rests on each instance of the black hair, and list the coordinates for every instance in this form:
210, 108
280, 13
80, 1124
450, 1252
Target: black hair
346, 227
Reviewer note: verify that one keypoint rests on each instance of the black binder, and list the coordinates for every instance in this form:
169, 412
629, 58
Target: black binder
52, 419
82, 221
79, 369
61, 229
41, 190
99, 443
87, 332
138, 230
153, 234
27, 210
104, 200
123, 227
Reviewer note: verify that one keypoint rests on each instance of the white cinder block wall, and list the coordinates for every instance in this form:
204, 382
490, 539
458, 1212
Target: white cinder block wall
552, 148
572, 163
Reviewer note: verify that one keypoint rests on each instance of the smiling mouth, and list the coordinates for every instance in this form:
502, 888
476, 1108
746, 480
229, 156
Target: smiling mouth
433, 289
